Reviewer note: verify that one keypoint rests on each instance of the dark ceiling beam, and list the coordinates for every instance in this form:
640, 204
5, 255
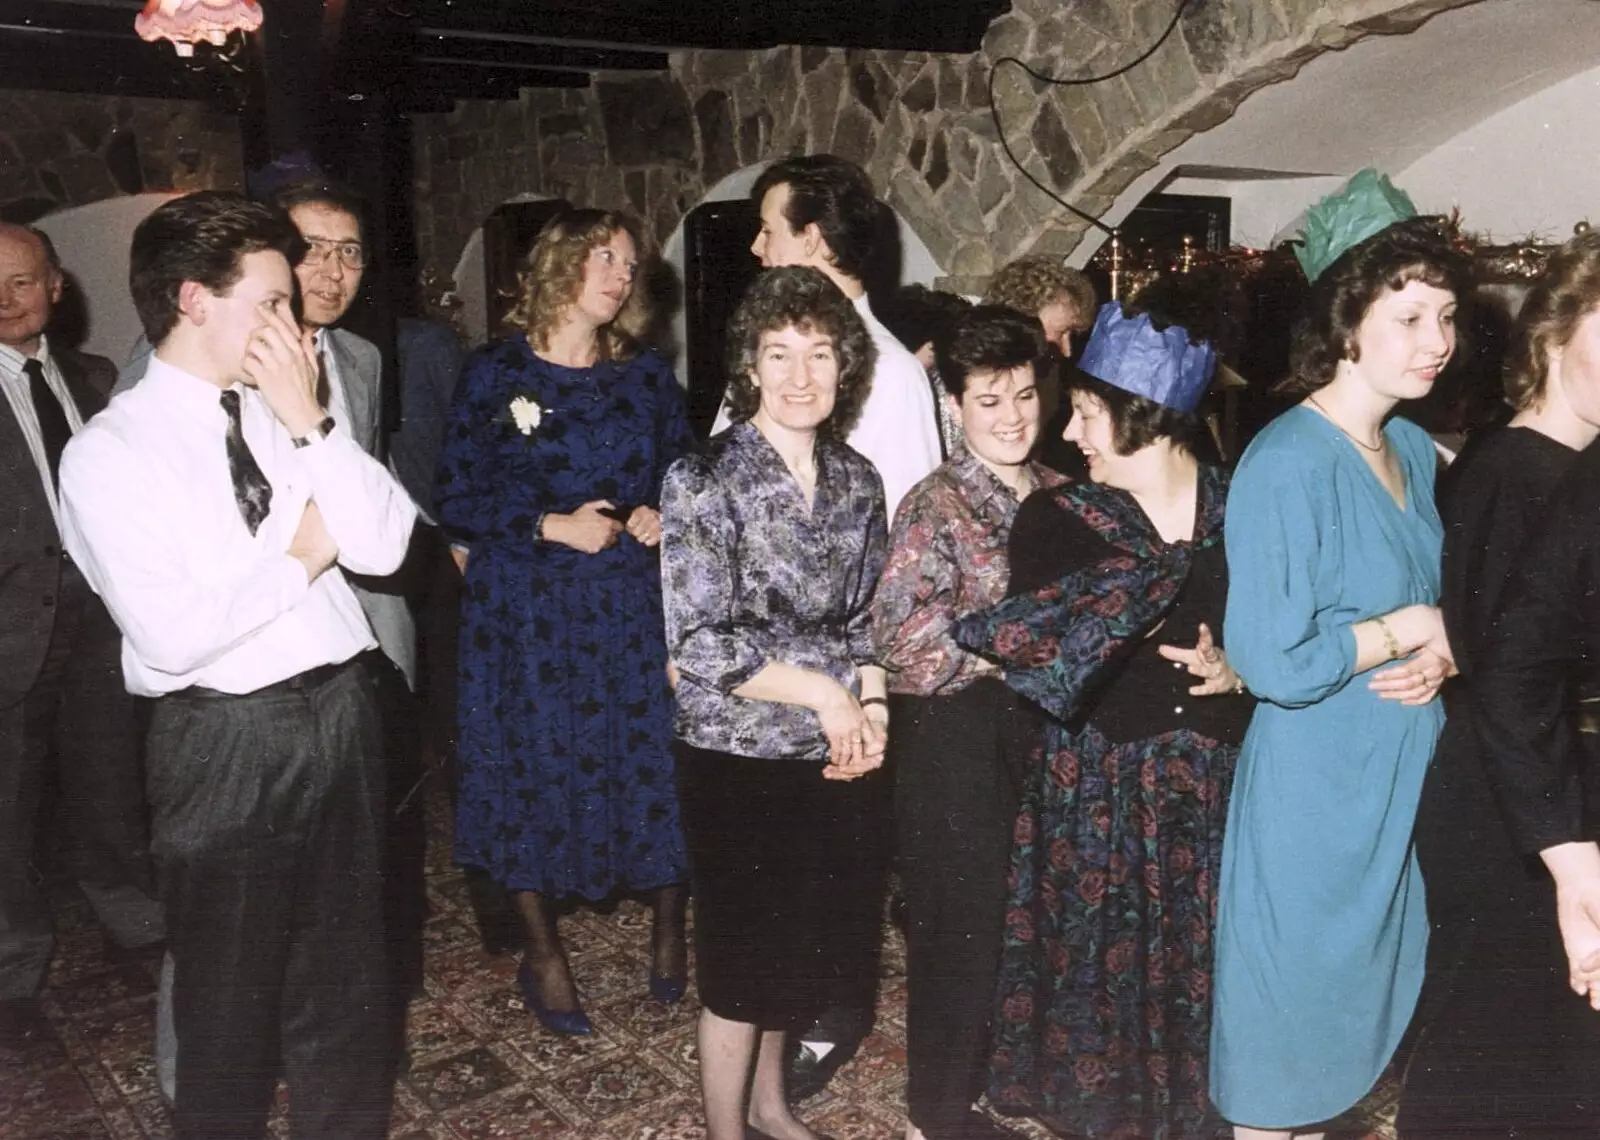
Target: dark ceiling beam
102, 65
525, 51
70, 17
446, 77
923, 25
663, 24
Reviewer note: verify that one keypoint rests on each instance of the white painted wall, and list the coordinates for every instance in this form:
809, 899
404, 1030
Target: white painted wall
471, 288
1529, 170
92, 242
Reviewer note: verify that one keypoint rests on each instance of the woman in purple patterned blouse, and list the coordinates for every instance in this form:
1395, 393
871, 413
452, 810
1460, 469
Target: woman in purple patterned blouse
959, 730
772, 542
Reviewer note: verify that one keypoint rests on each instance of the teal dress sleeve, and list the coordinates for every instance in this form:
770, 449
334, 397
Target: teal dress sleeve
1288, 649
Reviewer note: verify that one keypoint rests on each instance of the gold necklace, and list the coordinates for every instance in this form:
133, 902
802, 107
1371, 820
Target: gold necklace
1348, 434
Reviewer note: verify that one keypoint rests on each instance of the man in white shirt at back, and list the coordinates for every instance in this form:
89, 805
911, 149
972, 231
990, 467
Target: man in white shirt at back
819, 210
212, 508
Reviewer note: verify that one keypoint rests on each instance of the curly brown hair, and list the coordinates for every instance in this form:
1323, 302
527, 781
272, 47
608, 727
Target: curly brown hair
552, 276
1414, 250
1567, 291
803, 298
1031, 284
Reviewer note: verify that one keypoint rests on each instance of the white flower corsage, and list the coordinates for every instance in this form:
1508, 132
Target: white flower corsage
526, 414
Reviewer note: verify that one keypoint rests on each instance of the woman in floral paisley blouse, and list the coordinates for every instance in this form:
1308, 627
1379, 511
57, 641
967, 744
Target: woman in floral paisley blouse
1104, 990
772, 543
550, 472
959, 732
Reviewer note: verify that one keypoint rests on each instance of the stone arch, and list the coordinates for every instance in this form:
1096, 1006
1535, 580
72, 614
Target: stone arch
1093, 143
472, 304
92, 241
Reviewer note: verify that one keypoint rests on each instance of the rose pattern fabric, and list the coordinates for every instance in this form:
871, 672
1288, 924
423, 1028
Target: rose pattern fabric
567, 783
1103, 1003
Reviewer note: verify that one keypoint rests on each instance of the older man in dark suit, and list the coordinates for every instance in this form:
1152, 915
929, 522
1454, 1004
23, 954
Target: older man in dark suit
62, 699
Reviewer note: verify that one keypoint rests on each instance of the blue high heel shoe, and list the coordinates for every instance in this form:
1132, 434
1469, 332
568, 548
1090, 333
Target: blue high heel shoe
573, 1023
668, 991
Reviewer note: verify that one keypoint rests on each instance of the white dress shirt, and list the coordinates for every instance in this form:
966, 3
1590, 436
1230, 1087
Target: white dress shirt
148, 514
19, 393
897, 429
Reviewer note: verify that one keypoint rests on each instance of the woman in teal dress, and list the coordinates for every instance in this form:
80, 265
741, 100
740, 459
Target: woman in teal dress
1333, 561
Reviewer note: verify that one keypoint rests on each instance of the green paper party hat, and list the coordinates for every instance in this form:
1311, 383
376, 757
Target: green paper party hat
1368, 204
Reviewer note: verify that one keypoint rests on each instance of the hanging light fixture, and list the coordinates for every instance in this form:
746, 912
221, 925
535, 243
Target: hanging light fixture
189, 22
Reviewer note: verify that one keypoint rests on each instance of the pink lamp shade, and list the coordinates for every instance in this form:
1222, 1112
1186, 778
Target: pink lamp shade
188, 22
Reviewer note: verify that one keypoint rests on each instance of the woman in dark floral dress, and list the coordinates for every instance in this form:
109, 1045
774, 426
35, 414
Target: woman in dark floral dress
551, 473
1104, 994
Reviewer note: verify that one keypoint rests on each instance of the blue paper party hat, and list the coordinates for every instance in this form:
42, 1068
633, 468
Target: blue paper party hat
1161, 365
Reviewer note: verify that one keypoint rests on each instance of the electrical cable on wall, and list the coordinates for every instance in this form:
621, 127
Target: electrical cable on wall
1055, 81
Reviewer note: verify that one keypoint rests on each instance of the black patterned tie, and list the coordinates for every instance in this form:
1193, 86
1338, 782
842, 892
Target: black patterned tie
54, 430
250, 487
324, 382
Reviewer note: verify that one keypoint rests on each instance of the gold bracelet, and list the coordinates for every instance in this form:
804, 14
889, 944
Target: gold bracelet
1390, 645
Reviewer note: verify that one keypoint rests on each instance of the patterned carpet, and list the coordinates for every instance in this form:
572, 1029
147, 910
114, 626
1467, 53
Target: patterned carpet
480, 1067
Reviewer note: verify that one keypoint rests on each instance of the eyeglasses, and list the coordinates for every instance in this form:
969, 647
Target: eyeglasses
352, 254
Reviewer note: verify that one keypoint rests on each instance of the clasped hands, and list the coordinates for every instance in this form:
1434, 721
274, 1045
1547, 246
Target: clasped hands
590, 530
857, 735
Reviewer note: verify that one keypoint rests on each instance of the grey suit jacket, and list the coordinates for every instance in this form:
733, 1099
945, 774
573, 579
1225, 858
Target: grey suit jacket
30, 544
360, 368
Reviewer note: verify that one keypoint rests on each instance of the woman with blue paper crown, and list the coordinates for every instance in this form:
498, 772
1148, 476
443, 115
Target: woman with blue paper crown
1333, 560
1117, 586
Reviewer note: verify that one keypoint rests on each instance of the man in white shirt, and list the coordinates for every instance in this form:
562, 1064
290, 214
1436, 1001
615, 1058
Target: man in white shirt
212, 508
819, 210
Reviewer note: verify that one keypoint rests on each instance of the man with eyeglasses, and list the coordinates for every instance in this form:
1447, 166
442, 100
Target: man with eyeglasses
329, 219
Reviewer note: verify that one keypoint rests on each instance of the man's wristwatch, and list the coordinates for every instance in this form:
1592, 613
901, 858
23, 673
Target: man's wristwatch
320, 432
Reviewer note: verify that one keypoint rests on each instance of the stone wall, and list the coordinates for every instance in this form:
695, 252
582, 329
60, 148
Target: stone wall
67, 150
919, 123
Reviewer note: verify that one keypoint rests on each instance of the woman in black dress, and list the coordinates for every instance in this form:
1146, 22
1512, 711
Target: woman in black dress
1506, 1050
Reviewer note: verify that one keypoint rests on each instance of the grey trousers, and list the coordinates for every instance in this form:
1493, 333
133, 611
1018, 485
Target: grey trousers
74, 727
268, 839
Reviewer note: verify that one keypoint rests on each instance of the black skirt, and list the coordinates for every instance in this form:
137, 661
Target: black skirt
782, 927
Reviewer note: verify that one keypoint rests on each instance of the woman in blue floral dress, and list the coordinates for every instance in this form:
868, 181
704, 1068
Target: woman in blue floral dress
551, 474
1117, 586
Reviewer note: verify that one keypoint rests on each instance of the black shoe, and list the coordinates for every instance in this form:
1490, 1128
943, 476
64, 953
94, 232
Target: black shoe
806, 1074
147, 955
974, 1126
751, 1132
22, 1024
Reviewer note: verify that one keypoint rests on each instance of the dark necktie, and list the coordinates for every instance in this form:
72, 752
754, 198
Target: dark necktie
54, 430
324, 384
250, 487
